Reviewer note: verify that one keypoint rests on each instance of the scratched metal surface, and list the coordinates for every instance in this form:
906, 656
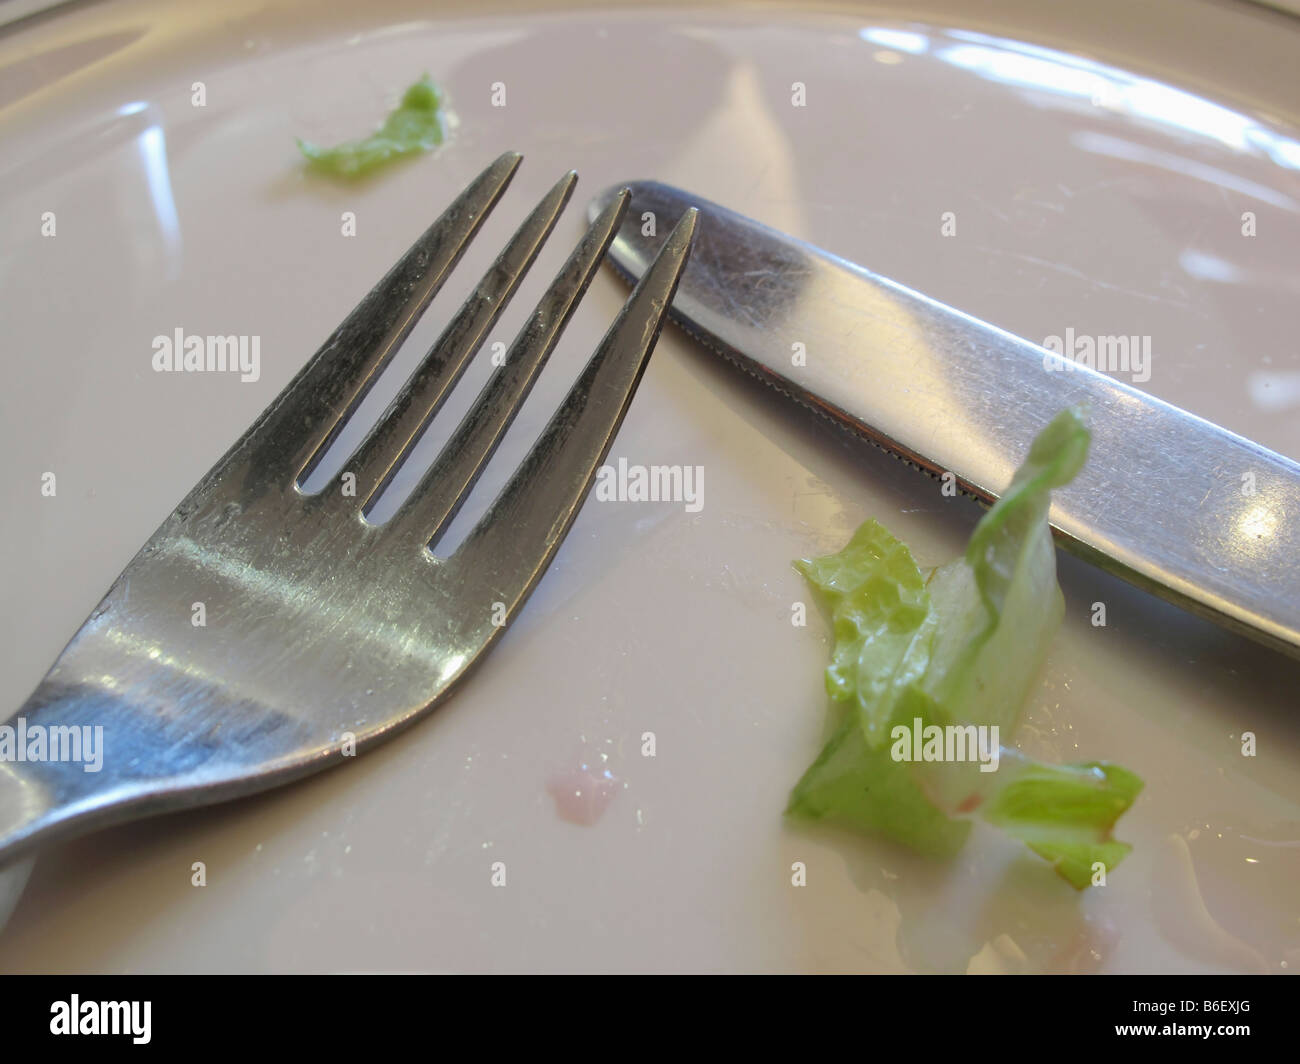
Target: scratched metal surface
1167, 500
331, 630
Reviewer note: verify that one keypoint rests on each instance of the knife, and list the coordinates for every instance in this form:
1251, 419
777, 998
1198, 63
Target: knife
1168, 501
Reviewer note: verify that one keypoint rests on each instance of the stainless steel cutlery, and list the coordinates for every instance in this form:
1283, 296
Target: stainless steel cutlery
327, 633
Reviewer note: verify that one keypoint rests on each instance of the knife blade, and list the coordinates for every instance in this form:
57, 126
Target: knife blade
1167, 500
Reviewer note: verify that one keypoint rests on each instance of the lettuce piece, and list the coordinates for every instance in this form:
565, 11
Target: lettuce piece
864, 789
1065, 813
414, 127
962, 646
882, 620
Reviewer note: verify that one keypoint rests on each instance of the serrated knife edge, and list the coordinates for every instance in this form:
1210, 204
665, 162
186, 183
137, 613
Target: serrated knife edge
1160, 501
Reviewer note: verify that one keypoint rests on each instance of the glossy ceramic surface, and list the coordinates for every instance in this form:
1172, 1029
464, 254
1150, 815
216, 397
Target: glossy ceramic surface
1098, 165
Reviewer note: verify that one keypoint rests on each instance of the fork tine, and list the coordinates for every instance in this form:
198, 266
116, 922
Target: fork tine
399, 430
509, 549
298, 427
443, 488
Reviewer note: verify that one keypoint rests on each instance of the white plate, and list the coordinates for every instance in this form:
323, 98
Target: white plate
1085, 197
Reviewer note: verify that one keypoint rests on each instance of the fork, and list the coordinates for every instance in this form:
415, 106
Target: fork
327, 633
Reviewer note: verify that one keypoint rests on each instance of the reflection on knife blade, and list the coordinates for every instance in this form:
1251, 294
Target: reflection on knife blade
1170, 502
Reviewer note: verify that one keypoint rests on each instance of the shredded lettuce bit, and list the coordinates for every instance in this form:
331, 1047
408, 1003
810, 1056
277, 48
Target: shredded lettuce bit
961, 646
414, 127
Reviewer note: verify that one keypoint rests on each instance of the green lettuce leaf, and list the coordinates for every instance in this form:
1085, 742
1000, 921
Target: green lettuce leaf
864, 789
414, 127
883, 624
963, 646
1065, 813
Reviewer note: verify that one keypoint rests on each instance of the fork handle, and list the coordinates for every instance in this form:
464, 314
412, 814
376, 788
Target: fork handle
23, 808
22, 814
123, 753
54, 778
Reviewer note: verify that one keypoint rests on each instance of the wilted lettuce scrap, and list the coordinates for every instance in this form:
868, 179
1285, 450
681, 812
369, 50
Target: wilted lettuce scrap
960, 646
415, 126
